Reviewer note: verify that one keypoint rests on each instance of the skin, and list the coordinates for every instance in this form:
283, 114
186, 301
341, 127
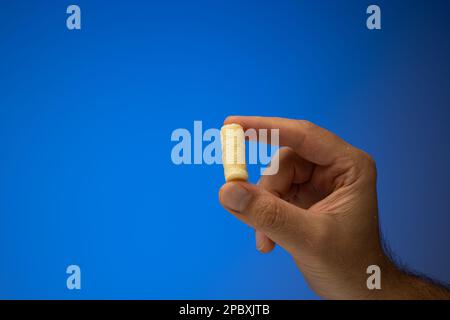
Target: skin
322, 208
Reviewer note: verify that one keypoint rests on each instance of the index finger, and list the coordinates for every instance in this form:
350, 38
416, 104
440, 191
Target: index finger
310, 141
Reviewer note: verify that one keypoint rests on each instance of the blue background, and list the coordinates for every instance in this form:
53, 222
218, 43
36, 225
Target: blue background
86, 117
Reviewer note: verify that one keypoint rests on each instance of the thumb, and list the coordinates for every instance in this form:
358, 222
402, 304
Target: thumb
281, 221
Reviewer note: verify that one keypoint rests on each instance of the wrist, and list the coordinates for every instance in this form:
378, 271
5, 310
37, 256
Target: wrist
391, 281
375, 278
395, 283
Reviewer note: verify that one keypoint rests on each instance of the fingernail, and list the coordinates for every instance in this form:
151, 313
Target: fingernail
235, 197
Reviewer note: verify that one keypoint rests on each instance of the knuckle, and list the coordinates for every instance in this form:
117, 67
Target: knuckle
285, 154
367, 165
268, 215
370, 164
305, 125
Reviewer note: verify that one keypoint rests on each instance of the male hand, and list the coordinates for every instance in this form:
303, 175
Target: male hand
321, 207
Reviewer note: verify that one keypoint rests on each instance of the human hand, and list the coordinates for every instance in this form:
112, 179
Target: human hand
321, 207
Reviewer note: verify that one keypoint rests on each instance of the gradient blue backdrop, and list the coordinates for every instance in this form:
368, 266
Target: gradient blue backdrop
86, 116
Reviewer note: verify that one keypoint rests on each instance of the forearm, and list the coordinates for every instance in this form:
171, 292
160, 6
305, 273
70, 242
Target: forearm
398, 284
395, 284
405, 285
